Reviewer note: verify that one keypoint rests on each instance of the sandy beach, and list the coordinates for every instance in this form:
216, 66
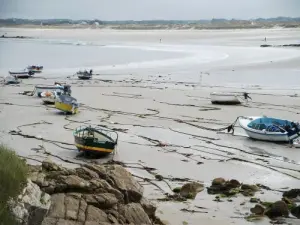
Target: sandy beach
157, 96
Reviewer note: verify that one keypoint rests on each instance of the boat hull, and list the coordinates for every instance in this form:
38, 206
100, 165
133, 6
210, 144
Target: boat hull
84, 77
84, 145
224, 99
67, 108
262, 134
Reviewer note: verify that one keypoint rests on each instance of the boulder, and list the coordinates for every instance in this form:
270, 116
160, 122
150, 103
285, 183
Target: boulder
96, 215
295, 211
258, 210
123, 180
233, 183
293, 193
190, 190
134, 213
277, 209
218, 181
86, 173
31, 205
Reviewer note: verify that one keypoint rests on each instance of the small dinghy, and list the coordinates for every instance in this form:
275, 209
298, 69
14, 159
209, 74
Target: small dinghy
22, 74
66, 104
48, 97
270, 129
84, 75
224, 98
35, 69
97, 140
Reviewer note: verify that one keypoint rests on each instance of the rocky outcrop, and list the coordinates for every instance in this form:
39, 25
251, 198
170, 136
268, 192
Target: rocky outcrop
231, 187
93, 194
31, 206
277, 209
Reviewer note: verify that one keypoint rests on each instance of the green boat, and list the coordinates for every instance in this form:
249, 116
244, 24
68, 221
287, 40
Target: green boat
96, 140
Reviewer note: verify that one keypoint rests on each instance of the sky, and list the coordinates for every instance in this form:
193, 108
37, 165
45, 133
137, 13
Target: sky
148, 9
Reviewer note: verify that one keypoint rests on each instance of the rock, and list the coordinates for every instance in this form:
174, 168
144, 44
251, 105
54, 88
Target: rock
233, 183
190, 190
72, 207
102, 201
218, 181
31, 205
148, 207
68, 222
295, 211
86, 173
96, 215
254, 200
258, 209
100, 170
123, 180
95, 223
37, 178
49, 221
177, 190
277, 209
75, 182
252, 188
81, 211
48, 165
293, 193
57, 209
134, 213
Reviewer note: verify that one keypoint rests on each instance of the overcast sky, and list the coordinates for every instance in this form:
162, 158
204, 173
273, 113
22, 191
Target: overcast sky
148, 9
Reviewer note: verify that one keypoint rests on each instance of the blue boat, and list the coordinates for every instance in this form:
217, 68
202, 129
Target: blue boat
270, 129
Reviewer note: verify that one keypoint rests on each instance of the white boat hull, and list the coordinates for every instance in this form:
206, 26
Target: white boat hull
224, 98
262, 134
40, 89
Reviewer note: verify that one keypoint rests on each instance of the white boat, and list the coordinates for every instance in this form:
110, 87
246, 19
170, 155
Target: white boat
35, 69
22, 74
270, 129
224, 98
58, 88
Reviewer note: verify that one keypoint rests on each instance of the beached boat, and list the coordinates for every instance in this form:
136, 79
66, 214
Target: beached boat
84, 75
35, 69
11, 80
66, 104
57, 87
48, 97
224, 98
270, 129
22, 74
98, 140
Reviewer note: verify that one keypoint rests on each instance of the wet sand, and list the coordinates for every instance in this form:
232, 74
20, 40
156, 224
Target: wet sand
161, 114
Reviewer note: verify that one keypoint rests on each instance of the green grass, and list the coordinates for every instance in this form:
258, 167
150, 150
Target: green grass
13, 176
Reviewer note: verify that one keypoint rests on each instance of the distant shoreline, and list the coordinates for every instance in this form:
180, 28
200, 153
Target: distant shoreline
157, 26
